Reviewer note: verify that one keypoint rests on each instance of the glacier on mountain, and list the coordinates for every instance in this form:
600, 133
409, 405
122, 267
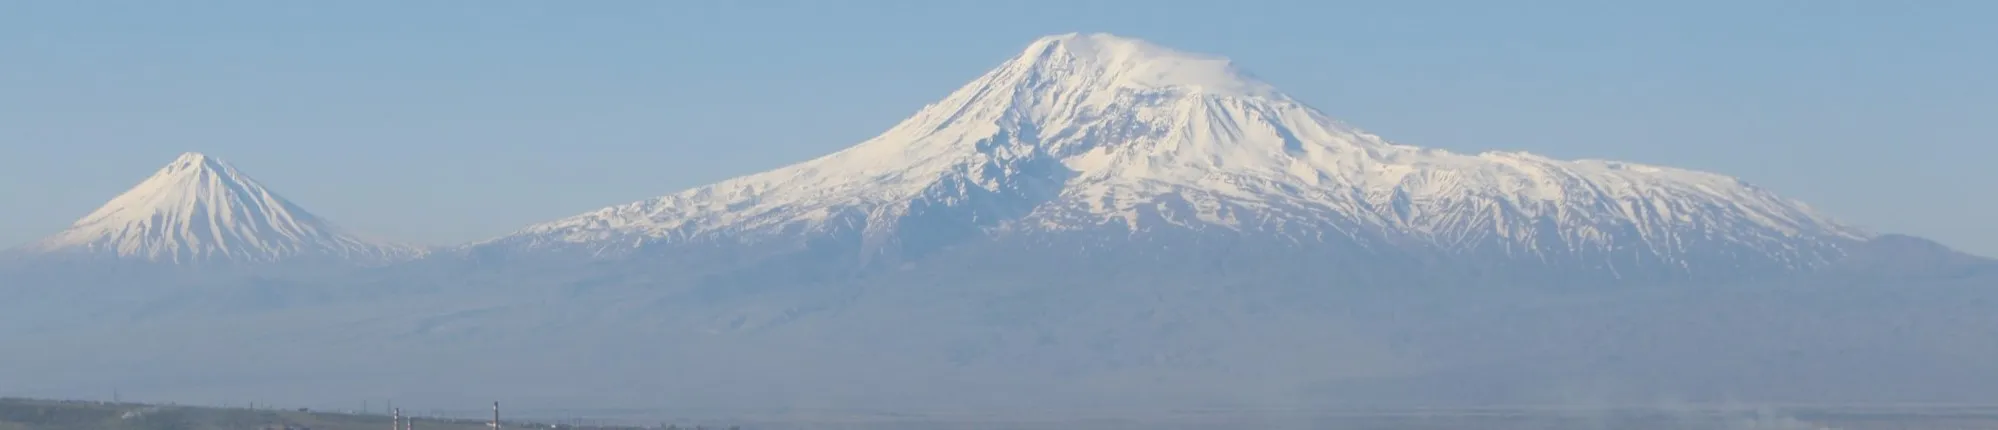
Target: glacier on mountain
1099, 133
199, 210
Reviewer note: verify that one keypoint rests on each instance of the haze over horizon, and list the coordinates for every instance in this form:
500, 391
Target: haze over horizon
442, 125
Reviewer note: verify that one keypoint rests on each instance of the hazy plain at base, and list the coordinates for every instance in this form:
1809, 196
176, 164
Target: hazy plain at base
1051, 349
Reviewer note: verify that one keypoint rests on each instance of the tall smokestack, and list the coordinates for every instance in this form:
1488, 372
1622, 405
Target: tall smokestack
395, 419
496, 416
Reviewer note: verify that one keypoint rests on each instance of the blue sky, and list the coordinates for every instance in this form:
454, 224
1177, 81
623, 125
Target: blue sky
447, 121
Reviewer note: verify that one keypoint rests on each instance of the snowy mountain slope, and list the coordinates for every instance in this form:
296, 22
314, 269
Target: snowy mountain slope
1099, 134
199, 210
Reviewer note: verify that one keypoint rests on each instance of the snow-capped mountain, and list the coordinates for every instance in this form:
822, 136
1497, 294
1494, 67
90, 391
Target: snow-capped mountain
1119, 139
200, 211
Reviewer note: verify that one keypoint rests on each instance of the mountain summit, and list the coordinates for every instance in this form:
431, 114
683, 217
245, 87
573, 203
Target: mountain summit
199, 210
1125, 63
1088, 141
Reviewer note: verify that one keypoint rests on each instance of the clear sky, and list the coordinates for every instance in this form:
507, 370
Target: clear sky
447, 121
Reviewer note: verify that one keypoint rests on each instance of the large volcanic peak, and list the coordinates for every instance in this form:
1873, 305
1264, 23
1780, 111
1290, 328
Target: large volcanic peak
1112, 136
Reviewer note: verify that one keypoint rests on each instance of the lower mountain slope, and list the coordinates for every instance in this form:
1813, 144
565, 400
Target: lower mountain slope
929, 342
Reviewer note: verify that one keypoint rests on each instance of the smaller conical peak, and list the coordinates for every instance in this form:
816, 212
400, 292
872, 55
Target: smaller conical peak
1133, 63
200, 209
192, 185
